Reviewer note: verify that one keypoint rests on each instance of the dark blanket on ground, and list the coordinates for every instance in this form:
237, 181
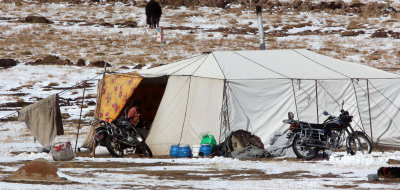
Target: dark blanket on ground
250, 152
241, 144
43, 119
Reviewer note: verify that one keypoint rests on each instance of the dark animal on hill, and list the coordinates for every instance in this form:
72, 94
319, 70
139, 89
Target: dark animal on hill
153, 13
391, 172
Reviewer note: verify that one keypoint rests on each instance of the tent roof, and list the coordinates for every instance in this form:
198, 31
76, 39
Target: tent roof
268, 64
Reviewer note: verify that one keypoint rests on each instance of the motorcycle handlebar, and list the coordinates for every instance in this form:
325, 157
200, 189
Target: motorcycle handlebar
288, 121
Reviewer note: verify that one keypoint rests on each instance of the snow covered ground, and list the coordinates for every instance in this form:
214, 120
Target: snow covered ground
339, 170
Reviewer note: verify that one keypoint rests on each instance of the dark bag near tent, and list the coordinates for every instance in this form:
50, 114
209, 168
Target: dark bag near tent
237, 141
241, 139
222, 149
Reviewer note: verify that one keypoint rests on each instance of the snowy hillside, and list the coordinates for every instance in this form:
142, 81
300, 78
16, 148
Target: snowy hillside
46, 53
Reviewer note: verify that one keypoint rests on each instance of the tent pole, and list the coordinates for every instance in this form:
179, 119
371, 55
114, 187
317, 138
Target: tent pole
295, 101
358, 107
226, 116
369, 110
80, 115
105, 69
316, 98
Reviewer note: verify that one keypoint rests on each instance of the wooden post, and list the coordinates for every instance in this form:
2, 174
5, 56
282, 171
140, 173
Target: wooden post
105, 69
369, 110
80, 115
94, 149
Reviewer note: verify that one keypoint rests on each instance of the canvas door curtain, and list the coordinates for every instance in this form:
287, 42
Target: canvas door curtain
117, 89
112, 94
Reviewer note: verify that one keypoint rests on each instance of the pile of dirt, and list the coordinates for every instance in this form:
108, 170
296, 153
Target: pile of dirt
81, 63
351, 33
7, 63
99, 64
51, 60
385, 34
39, 170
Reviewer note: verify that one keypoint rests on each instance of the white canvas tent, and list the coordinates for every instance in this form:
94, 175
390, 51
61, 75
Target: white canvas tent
253, 90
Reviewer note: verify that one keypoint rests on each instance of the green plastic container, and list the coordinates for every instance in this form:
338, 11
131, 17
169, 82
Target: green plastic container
209, 139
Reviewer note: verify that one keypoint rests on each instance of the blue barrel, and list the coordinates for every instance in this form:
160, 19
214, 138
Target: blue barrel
184, 151
173, 152
205, 149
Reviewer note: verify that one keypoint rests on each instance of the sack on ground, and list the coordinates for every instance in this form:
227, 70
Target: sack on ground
62, 151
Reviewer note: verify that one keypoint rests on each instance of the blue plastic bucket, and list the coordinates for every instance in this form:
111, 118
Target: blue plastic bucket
184, 151
173, 152
205, 149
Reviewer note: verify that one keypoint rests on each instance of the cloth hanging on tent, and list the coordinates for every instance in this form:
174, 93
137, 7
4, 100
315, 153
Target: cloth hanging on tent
116, 92
44, 120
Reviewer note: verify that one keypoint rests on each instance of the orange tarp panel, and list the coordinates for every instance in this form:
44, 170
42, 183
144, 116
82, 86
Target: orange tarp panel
116, 92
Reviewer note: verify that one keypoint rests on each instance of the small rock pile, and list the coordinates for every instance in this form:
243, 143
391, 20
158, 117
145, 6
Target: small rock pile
7, 63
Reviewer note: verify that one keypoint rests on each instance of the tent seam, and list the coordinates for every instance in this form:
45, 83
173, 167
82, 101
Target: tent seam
186, 107
321, 64
219, 65
189, 64
260, 65
200, 65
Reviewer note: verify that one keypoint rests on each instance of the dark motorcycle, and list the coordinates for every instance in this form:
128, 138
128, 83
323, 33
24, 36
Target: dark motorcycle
308, 138
120, 136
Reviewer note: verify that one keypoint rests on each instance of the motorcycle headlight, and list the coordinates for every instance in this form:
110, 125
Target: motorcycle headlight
139, 138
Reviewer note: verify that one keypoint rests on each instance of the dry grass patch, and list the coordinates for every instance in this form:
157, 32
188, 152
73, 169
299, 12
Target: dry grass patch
354, 24
89, 114
21, 87
52, 84
341, 186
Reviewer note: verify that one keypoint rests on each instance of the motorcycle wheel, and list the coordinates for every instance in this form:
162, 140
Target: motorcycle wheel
359, 143
113, 147
302, 151
146, 150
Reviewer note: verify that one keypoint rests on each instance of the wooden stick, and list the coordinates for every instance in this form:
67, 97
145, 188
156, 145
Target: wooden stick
80, 115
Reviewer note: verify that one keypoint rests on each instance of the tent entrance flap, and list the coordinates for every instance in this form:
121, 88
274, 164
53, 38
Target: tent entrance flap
117, 90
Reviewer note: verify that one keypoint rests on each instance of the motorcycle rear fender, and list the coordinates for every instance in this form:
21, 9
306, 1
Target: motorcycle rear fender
101, 129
